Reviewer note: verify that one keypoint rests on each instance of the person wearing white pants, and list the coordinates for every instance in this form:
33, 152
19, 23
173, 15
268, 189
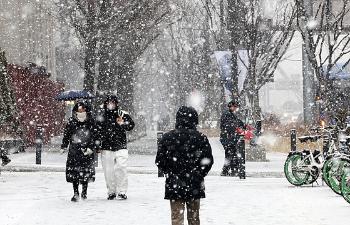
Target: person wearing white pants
113, 124
115, 170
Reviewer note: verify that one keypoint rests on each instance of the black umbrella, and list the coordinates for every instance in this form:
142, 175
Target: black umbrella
73, 95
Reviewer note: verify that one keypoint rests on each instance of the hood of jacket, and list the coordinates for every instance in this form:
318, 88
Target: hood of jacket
85, 105
186, 117
111, 112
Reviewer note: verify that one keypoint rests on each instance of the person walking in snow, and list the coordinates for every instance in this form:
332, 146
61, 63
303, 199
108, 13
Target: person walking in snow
113, 124
5, 159
229, 138
79, 137
185, 156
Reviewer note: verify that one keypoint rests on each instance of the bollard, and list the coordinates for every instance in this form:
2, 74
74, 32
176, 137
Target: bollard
258, 128
159, 137
325, 146
241, 157
96, 159
293, 140
39, 144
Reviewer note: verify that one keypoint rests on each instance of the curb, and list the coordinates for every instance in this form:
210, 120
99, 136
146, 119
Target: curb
131, 170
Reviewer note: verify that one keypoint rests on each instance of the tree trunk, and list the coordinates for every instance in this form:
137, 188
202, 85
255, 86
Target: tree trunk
90, 64
125, 86
106, 79
256, 106
90, 49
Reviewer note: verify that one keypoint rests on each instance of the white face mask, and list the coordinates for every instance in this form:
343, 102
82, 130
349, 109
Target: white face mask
111, 106
81, 116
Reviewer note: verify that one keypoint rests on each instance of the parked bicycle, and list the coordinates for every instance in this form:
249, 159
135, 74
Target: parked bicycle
334, 164
345, 182
304, 167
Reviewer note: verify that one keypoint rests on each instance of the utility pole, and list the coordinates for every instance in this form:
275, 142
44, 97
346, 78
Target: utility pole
309, 81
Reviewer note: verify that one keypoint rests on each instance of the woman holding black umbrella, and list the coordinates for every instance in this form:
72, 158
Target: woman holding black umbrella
80, 137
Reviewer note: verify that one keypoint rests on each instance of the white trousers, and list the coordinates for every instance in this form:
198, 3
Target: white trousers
115, 170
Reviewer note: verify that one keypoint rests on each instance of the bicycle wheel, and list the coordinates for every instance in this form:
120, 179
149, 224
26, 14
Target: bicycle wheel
345, 183
335, 175
294, 170
325, 170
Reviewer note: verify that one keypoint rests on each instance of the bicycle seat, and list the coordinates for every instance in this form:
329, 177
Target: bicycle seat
311, 138
306, 152
316, 129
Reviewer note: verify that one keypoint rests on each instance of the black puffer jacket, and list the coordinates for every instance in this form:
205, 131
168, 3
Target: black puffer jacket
113, 135
79, 136
185, 156
229, 123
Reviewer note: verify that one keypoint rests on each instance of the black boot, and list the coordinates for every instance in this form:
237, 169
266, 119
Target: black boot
5, 161
111, 196
122, 196
84, 191
75, 197
225, 170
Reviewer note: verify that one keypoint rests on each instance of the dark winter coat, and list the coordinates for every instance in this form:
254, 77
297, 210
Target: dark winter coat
112, 135
185, 156
78, 136
228, 124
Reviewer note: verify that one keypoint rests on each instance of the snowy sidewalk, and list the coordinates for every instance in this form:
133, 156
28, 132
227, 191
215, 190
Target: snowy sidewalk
43, 198
141, 163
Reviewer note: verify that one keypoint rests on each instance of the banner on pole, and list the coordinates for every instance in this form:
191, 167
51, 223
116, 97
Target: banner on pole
223, 60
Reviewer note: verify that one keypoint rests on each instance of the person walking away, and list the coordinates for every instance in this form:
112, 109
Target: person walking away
185, 156
80, 136
4, 158
229, 138
113, 124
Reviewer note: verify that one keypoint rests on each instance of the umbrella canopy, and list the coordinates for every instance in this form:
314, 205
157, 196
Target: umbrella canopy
73, 95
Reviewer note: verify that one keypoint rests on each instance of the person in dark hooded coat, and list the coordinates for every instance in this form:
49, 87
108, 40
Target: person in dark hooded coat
113, 124
229, 137
80, 135
185, 156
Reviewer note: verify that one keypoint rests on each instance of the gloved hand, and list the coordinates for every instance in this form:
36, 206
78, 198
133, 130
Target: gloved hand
63, 150
87, 151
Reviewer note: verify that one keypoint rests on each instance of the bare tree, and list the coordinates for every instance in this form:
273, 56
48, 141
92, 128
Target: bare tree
114, 33
185, 50
84, 17
244, 27
327, 39
266, 42
124, 41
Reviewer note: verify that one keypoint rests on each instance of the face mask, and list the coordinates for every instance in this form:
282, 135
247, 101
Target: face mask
81, 116
111, 106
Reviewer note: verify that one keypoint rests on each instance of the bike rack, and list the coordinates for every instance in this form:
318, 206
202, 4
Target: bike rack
159, 137
241, 157
293, 140
39, 143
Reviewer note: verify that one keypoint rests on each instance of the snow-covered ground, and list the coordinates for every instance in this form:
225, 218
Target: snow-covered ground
42, 198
